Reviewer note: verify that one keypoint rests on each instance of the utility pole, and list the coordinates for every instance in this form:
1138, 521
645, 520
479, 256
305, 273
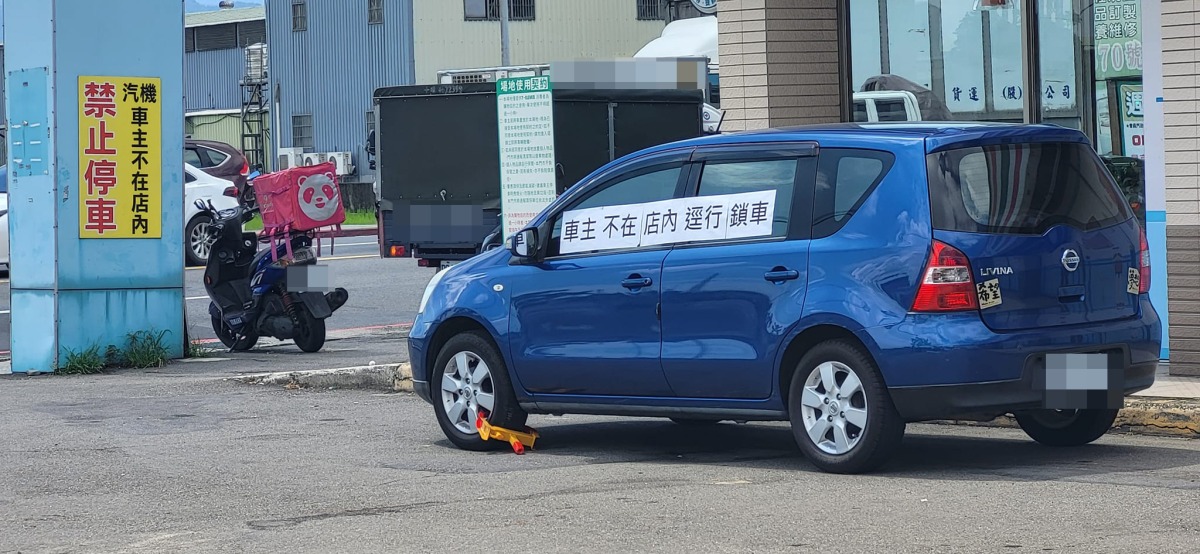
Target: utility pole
504, 56
1031, 58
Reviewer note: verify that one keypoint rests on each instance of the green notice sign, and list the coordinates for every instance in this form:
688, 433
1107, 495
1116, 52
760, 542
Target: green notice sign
1133, 127
525, 108
1118, 25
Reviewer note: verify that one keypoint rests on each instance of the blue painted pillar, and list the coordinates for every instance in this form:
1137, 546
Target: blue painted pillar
1156, 164
95, 130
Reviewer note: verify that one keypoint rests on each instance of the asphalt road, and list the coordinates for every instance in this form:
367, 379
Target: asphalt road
382, 291
179, 461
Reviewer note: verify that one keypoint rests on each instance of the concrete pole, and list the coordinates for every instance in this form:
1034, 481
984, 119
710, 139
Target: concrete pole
504, 55
95, 176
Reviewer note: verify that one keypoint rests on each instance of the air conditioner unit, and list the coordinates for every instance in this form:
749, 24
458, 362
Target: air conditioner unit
291, 157
344, 162
315, 158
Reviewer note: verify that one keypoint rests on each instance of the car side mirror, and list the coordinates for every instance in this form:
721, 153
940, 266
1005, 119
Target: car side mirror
524, 244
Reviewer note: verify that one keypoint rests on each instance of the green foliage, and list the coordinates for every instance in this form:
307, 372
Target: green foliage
352, 218
146, 349
85, 362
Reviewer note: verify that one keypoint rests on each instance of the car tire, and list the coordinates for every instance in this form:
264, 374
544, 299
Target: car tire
1066, 427
686, 422
842, 416
190, 246
459, 392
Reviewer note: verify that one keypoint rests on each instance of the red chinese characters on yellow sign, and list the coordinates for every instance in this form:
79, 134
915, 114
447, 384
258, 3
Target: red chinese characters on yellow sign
120, 157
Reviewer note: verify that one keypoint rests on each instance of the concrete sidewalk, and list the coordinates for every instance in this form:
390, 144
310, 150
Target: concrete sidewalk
1172, 386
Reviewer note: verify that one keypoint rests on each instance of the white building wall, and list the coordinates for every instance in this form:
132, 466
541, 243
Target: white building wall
564, 30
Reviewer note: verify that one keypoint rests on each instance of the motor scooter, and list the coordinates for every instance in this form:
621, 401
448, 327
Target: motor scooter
269, 292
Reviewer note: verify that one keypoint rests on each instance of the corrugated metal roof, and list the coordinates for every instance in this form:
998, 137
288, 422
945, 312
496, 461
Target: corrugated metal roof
219, 17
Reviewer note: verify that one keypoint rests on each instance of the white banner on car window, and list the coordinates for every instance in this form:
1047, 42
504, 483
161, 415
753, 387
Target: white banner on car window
703, 218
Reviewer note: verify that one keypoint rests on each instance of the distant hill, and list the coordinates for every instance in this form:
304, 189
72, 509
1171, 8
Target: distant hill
193, 6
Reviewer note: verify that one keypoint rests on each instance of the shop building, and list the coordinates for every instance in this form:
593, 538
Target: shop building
1122, 71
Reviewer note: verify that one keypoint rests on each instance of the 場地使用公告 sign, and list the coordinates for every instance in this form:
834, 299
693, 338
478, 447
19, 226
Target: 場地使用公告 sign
528, 178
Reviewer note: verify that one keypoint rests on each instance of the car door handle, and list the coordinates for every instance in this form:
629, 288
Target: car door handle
635, 282
780, 274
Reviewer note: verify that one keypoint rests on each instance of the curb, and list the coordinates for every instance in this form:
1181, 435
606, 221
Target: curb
1172, 417
390, 377
1166, 417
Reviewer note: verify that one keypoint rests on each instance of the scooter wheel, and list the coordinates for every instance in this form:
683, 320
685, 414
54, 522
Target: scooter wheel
310, 334
230, 340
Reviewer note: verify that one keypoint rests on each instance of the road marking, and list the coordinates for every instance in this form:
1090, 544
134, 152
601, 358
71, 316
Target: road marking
355, 257
5, 312
196, 298
340, 333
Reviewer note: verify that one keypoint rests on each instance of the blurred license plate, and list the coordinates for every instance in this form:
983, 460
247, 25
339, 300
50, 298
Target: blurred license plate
446, 264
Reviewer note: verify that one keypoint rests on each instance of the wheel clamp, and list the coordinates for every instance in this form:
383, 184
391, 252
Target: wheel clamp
518, 439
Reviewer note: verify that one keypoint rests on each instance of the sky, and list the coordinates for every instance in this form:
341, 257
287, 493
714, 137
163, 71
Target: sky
190, 5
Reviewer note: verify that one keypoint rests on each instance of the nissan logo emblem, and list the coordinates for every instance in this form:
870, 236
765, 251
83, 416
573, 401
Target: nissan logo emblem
1070, 260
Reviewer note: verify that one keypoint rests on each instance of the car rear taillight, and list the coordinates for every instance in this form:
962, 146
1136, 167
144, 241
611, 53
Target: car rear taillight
230, 192
947, 285
245, 168
397, 251
1144, 265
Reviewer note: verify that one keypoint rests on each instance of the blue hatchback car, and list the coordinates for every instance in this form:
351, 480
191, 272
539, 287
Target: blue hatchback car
849, 279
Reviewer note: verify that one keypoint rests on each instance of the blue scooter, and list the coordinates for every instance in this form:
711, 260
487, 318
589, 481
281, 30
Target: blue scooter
249, 288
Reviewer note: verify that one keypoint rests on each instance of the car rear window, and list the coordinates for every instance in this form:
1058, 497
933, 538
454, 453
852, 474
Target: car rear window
216, 157
1022, 189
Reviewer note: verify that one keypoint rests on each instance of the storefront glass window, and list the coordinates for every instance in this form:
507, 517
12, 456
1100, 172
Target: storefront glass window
961, 60
1120, 134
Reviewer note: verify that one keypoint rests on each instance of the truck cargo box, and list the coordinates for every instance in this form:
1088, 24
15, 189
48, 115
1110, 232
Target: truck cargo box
438, 161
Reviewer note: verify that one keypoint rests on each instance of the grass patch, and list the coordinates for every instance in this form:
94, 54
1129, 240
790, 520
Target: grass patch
352, 218
84, 362
146, 349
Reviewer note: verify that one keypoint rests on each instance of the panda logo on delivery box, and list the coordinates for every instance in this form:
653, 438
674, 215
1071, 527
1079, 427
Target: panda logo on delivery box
318, 197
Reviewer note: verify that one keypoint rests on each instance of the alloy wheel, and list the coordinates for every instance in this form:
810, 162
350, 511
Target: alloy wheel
834, 407
467, 388
201, 240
